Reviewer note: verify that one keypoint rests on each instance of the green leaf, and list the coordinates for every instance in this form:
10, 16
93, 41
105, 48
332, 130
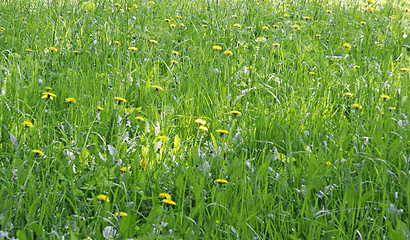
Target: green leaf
214, 141
33, 209
400, 232
84, 156
37, 228
122, 150
127, 224
24, 234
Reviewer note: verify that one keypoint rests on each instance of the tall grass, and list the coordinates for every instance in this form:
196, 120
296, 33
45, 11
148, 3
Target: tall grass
319, 147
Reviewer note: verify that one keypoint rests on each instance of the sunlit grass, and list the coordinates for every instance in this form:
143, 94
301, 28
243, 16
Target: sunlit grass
204, 119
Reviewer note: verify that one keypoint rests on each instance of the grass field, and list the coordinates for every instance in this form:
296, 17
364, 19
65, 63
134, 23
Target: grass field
204, 119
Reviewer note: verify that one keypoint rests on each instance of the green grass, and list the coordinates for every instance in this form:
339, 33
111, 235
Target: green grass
302, 161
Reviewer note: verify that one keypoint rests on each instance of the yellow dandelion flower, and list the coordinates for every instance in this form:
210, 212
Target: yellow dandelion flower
165, 195
348, 94
265, 28
285, 159
235, 16
172, 25
52, 49
167, 20
235, 113
100, 108
175, 52
200, 121
103, 197
151, 2
139, 118
237, 25
328, 163
2, 29
120, 100
121, 214
117, 42
38, 152
29, 50
306, 18
181, 25
296, 27
392, 108
204, 25
347, 46
70, 100
385, 97
134, 5
169, 201
328, 11
407, 10
356, 67
125, 169
48, 95
217, 48
77, 52
143, 164
312, 73
28, 124
203, 128
275, 26
133, 49
173, 62
286, 15
222, 131
404, 69
370, 1
178, 16
48, 89
153, 41
228, 53
276, 45
357, 106
157, 88
318, 35
117, 5
221, 180
363, 23
250, 27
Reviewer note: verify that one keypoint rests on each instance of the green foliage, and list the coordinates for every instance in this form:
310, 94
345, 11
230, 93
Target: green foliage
303, 133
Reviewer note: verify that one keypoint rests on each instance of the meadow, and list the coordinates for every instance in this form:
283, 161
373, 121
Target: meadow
244, 119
